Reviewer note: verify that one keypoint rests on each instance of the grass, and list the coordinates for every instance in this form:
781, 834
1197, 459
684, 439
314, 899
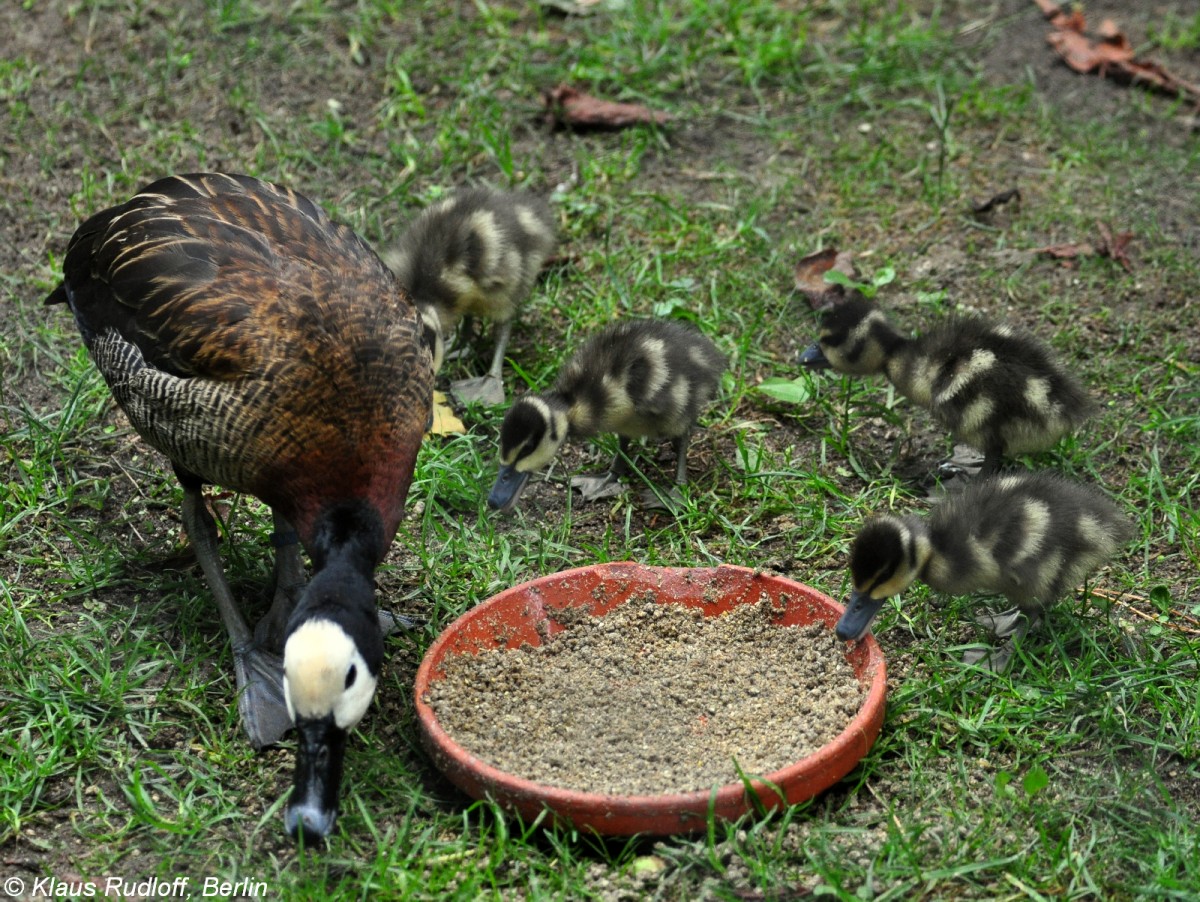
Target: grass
867, 125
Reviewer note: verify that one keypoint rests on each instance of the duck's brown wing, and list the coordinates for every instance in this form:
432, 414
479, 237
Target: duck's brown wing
255, 341
196, 270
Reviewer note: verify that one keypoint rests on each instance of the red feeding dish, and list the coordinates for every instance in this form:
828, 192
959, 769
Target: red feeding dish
516, 615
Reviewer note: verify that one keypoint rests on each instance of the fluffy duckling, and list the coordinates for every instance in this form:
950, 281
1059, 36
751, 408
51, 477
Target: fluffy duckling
1028, 536
476, 253
635, 378
995, 387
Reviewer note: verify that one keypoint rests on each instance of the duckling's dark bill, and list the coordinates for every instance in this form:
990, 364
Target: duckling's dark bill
856, 621
507, 489
814, 358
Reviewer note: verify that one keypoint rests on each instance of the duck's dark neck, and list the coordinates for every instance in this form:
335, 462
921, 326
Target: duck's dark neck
350, 533
347, 544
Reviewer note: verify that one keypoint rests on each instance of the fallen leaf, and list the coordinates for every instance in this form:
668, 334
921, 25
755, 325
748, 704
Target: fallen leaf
445, 420
810, 276
1111, 55
997, 200
1067, 253
1115, 247
571, 108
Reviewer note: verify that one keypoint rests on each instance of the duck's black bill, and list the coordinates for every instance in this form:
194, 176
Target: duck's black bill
814, 358
856, 621
313, 807
507, 489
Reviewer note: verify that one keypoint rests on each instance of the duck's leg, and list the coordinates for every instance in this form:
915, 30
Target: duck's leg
259, 674
290, 578
593, 488
489, 388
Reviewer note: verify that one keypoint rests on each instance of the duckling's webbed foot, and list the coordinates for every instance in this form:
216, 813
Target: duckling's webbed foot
260, 695
965, 461
480, 390
669, 500
594, 488
1013, 623
995, 660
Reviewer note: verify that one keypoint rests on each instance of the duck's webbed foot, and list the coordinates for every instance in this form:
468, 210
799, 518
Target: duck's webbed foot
260, 695
669, 500
389, 622
1011, 625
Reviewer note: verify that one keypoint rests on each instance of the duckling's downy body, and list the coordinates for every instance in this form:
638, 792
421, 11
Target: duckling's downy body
637, 378
262, 346
995, 387
1031, 537
476, 253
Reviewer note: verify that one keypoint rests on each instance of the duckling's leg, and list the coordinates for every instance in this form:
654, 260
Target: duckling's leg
672, 499
681, 447
488, 389
1014, 622
259, 673
1013, 625
992, 458
593, 488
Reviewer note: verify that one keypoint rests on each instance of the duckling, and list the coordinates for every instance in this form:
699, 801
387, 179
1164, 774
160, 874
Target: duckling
995, 387
229, 317
635, 378
476, 253
1028, 536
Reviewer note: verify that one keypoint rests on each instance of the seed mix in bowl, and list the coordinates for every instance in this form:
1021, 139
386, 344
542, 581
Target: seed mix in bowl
651, 699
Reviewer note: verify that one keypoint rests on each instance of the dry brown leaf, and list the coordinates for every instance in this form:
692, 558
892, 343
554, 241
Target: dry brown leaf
1067, 252
1115, 247
571, 108
810, 276
1111, 55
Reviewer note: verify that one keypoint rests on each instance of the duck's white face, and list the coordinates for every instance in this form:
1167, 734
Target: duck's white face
324, 674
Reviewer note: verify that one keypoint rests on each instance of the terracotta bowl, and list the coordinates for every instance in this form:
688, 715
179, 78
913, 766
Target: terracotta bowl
513, 617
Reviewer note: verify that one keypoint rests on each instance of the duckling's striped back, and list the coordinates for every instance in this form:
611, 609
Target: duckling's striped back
1029, 536
476, 252
994, 386
640, 378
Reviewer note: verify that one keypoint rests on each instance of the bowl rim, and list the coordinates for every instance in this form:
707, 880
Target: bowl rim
480, 779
